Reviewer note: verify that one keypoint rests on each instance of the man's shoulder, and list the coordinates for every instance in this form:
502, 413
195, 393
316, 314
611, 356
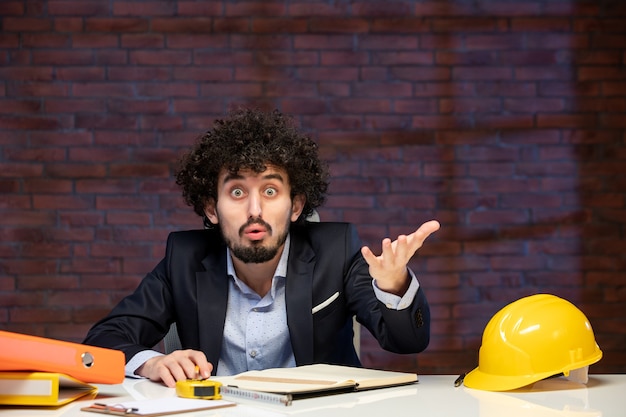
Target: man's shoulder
194, 234
200, 240
326, 232
330, 242
326, 227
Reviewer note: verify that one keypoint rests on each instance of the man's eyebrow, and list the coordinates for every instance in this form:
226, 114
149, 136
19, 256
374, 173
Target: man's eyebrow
231, 176
237, 176
274, 176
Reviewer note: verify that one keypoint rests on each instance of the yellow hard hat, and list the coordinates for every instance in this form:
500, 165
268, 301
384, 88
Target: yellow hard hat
531, 339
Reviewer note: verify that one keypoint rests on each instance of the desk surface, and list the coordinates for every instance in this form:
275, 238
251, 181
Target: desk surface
434, 395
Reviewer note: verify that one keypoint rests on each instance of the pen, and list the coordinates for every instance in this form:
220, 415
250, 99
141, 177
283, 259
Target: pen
197, 375
459, 380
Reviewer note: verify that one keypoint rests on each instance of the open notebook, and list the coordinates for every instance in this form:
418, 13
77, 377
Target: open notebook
319, 378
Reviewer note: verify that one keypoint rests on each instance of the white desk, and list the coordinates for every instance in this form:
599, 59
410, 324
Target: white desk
434, 395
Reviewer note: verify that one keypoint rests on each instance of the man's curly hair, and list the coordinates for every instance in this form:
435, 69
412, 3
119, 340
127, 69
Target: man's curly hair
253, 139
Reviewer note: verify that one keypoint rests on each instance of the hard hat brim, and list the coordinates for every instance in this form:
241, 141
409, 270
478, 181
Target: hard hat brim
480, 380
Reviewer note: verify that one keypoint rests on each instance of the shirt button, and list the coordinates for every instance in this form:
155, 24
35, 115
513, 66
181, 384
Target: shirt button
253, 353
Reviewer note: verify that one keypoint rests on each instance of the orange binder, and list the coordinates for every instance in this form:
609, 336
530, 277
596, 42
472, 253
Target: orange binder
89, 364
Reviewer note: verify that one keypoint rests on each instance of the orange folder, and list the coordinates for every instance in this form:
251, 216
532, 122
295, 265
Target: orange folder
88, 364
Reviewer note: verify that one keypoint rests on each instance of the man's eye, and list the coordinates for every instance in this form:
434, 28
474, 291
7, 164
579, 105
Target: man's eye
237, 192
270, 192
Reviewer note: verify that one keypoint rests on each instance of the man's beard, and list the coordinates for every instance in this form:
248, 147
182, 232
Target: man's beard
257, 253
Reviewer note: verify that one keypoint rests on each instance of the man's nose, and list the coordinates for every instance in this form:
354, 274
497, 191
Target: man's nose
254, 206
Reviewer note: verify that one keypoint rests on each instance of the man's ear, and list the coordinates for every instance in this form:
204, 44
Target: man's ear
210, 211
297, 205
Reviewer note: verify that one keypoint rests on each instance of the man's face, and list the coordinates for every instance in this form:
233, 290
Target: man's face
254, 212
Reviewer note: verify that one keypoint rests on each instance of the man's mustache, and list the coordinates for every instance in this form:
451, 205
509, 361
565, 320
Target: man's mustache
252, 221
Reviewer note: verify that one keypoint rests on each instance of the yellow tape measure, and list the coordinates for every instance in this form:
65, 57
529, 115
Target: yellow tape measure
199, 388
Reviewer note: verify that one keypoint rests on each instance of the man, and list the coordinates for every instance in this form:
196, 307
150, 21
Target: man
261, 287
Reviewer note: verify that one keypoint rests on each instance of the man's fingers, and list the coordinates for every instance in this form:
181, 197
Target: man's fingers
178, 365
167, 378
172, 368
189, 364
428, 228
368, 255
417, 238
200, 366
403, 248
387, 249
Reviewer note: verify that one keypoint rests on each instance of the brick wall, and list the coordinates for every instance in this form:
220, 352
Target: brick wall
504, 120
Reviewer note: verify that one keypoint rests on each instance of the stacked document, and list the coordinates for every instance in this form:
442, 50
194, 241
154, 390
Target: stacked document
41, 388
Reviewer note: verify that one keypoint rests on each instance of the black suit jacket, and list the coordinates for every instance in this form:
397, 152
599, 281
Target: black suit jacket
190, 285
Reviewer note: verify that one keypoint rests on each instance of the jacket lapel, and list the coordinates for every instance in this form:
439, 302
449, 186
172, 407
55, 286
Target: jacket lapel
299, 286
212, 295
